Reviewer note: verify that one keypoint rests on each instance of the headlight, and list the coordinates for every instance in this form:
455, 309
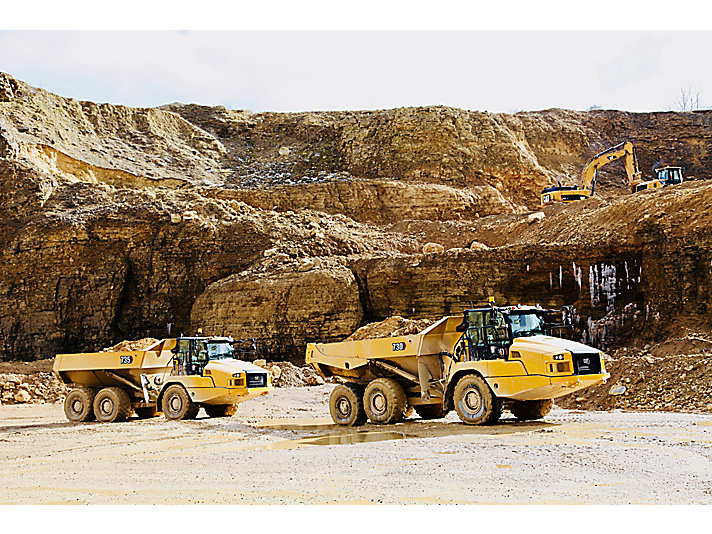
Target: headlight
237, 375
559, 357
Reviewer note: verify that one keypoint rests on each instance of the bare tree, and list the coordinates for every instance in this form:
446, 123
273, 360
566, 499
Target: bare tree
689, 100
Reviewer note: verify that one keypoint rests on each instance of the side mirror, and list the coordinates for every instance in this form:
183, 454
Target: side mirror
464, 325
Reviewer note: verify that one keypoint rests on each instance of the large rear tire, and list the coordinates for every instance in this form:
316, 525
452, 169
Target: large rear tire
530, 410
112, 404
220, 410
79, 405
475, 403
177, 404
346, 405
430, 411
384, 401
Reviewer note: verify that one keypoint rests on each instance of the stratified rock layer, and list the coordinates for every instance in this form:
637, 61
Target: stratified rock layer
122, 223
284, 308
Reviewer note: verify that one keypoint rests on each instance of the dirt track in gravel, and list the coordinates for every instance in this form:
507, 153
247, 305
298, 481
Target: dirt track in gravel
284, 449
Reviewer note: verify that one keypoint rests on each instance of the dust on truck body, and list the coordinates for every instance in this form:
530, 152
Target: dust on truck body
477, 363
174, 376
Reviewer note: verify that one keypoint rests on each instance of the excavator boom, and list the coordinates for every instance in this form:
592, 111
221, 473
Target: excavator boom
588, 176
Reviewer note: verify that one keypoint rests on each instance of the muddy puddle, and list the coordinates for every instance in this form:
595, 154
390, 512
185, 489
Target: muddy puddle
345, 438
405, 430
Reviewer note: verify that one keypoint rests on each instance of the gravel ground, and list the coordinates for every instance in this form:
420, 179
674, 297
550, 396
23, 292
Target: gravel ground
283, 448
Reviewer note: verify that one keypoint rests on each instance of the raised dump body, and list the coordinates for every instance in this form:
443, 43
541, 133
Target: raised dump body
174, 376
475, 363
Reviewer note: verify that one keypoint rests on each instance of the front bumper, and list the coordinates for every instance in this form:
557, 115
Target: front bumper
226, 395
558, 386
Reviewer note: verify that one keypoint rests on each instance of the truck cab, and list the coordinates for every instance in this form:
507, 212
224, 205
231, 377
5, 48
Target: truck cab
488, 333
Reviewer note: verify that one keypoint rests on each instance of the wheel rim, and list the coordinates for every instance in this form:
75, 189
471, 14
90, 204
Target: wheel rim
175, 403
472, 400
106, 406
343, 407
77, 406
378, 403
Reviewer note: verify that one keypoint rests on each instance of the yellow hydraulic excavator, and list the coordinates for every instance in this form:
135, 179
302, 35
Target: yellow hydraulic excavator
570, 193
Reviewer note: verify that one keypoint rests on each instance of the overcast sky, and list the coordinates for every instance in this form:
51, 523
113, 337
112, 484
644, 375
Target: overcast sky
501, 71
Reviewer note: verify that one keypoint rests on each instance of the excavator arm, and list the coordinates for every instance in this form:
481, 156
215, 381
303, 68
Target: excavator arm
588, 176
570, 193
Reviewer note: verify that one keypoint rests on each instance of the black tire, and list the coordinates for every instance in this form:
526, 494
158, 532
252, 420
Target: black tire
384, 401
530, 410
79, 405
475, 403
177, 404
346, 405
112, 404
430, 411
220, 410
146, 412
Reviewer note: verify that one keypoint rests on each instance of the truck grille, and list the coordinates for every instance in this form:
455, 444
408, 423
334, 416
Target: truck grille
256, 380
586, 364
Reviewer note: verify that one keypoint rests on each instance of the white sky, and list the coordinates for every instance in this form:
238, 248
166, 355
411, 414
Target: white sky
502, 71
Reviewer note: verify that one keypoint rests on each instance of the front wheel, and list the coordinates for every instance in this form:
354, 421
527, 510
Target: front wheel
177, 404
475, 403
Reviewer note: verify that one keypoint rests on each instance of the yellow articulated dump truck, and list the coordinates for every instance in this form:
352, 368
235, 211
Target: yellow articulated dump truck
477, 363
174, 376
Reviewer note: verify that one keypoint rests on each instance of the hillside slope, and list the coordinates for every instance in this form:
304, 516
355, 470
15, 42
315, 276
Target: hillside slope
119, 222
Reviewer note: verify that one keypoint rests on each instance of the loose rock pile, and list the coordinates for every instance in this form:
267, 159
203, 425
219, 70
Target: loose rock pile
393, 326
288, 375
36, 388
129, 346
650, 379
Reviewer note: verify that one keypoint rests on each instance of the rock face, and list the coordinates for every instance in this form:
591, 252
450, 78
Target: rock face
282, 308
119, 223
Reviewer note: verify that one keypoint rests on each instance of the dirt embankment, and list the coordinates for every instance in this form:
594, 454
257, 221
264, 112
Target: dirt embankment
121, 223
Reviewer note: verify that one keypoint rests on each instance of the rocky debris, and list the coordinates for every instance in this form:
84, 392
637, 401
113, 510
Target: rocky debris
288, 375
35, 388
8, 87
660, 378
130, 346
393, 326
535, 217
617, 389
476, 245
433, 248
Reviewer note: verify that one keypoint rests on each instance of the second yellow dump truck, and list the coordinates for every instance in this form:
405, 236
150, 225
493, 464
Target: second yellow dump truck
174, 376
477, 363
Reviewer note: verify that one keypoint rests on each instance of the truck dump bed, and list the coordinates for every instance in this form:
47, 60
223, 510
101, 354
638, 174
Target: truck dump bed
350, 359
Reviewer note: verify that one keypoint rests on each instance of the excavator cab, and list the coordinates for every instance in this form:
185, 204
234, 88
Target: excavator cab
669, 175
